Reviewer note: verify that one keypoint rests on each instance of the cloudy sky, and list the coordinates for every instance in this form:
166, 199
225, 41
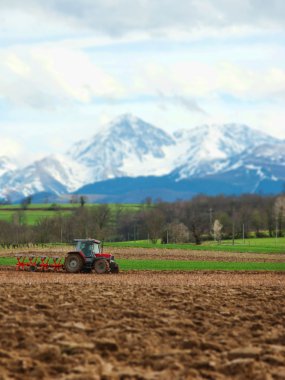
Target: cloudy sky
68, 67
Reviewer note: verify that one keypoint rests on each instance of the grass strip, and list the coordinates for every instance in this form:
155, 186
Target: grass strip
8, 261
126, 264
206, 247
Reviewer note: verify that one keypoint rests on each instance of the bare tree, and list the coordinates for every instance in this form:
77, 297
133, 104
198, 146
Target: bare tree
195, 217
176, 233
154, 221
279, 213
217, 229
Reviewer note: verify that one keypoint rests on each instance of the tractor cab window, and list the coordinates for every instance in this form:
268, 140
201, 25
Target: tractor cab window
88, 248
85, 247
78, 246
96, 248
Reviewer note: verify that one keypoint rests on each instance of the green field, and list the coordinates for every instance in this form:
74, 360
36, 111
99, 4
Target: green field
126, 206
35, 212
30, 217
126, 264
18, 207
254, 245
8, 261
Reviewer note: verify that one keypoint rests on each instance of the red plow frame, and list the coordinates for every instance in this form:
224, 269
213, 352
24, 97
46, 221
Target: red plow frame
39, 263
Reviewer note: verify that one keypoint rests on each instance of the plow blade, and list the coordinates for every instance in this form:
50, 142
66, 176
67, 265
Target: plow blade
39, 263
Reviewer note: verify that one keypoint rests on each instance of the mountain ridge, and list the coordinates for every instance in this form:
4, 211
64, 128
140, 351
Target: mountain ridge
129, 147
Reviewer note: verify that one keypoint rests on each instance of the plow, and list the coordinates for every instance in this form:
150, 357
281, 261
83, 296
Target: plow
86, 257
40, 263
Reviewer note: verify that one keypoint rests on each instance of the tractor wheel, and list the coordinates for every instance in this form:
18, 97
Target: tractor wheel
114, 268
101, 266
73, 263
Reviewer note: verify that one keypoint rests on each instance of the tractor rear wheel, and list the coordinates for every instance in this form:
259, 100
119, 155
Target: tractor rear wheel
101, 266
73, 263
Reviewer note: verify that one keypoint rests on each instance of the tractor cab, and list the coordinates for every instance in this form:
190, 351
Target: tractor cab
89, 247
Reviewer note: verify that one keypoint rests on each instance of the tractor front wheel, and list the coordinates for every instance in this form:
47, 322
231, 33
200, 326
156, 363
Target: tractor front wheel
114, 268
101, 266
73, 263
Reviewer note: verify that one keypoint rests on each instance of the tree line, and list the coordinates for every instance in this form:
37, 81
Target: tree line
201, 218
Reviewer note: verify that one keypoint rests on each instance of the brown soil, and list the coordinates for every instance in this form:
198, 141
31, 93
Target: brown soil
142, 325
179, 254
159, 253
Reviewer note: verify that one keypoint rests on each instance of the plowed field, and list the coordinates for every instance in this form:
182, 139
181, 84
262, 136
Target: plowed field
160, 253
180, 254
142, 325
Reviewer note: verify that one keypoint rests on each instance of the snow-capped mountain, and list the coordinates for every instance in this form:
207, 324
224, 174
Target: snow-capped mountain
127, 146
130, 147
54, 174
210, 149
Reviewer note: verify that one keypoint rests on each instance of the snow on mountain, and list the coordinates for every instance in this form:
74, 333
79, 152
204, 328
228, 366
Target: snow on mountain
266, 160
55, 174
130, 147
209, 149
127, 146
6, 165
273, 153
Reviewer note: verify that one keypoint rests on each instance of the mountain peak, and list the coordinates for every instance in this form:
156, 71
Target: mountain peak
130, 126
127, 146
125, 117
126, 123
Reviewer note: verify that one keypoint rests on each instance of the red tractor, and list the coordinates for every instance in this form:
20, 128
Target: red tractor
87, 256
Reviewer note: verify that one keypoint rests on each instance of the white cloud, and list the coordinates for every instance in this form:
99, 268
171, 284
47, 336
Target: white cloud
77, 76
118, 17
198, 80
16, 65
67, 67
248, 84
52, 77
10, 147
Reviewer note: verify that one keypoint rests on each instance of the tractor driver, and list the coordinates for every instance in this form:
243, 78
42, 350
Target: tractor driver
87, 249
